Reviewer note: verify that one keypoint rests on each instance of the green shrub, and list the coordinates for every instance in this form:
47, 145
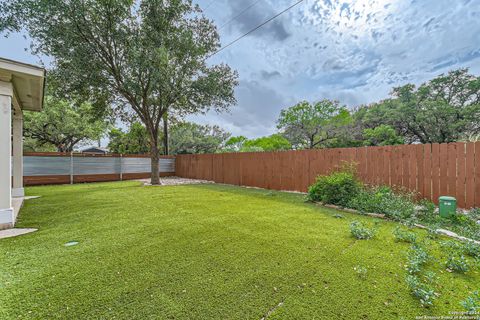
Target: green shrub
421, 290
370, 199
382, 199
426, 211
431, 277
459, 248
404, 235
398, 206
417, 256
451, 246
361, 231
474, 214
338, 188
472, 303
432, 233
472, 249
458, 263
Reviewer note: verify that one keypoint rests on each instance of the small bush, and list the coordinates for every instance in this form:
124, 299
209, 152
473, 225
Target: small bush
370, 199
472, 303
474, 214
421, 290
458, 263
404, 235
417, 256
361, 231
451, 246
337, 188
382, 199
399, 206
472, 249
426, 211
432, 233
431, 277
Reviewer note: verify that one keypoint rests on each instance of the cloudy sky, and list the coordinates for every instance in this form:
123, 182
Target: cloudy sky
354, 51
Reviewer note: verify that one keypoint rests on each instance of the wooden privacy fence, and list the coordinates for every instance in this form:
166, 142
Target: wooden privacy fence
431, 169
61, 168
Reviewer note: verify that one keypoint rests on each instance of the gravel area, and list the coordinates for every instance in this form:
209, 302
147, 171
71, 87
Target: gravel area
173, 181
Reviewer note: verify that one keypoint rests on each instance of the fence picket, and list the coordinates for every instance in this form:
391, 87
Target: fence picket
431, 169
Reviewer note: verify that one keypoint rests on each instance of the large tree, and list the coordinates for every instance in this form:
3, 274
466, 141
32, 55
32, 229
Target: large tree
444, 109
273, 142
63, 124
134, 141
188, 137
145, 57
311, 125
383, 135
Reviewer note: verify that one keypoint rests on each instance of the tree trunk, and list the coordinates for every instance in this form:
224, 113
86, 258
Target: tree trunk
165, 134
155, 175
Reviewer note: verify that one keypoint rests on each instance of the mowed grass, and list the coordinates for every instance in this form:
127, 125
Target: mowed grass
204, 252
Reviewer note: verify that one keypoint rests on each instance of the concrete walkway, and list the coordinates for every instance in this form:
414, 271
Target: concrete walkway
8, 233
17, 203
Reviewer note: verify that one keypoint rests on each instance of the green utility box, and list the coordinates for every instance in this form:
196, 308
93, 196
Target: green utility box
447, 206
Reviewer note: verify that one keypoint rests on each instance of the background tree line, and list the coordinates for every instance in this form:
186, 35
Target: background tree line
444, 109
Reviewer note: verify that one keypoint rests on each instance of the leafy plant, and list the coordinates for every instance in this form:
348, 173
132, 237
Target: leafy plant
369, 199
472, 303
337, 188
472, 249
338, 216
451, 246
474, 214
458, 263
421, 290
382, 199
362, 232
404, 235
361, 271
417, 256
398, 206
426, 210
432, 233
430, 277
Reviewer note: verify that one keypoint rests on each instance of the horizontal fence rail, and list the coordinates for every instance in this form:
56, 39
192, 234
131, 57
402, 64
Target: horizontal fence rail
59, 168
430, 170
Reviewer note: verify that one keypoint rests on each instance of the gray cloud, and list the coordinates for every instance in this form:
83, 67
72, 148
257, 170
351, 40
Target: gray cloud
257, 110
269, 75
351, 51
276, 29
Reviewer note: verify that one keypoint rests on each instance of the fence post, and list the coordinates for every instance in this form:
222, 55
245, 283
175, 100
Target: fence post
121, 167
71, 167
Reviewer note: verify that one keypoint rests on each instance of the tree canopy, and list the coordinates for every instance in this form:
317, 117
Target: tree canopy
444, 109
383, 135
144, 58
188, 137
308, 125
134, 141
63, 124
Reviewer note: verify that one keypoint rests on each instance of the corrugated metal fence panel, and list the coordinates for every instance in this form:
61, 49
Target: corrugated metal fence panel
167, 165
135, 165
46, 166
95, 165
61, 165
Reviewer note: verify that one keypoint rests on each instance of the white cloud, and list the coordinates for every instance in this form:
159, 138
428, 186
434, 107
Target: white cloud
351, 50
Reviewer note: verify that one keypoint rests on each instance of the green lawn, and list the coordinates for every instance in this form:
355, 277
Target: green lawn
204, 252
